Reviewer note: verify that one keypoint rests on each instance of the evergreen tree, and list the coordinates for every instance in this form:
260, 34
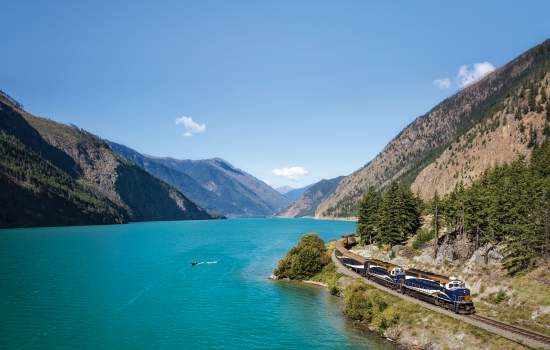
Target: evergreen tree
508, 205
399, 215
436, 207
531, 99
369, 207
540, 167
389, 232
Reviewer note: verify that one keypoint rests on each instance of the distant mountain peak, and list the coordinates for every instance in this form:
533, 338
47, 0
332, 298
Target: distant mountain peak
306, 199
226, 165
284, 189
213, 183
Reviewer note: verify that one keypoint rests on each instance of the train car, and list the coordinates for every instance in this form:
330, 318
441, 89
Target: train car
353, 264
450, 293
386, 274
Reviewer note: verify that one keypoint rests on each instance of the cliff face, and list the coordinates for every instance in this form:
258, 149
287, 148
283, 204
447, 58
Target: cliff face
54, 174
213, 183
509, 133
311, 198
422, 142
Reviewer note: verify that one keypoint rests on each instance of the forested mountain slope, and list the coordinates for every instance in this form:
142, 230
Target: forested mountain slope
461, 137
213, 183
53, 174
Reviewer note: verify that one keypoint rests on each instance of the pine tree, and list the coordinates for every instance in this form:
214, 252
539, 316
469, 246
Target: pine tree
367, 225
508, 205
399, 215
540, 167
390, 232
410, 212
436, 205
519, 252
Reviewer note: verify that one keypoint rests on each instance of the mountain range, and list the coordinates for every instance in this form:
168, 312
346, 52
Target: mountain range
496, 120
311, 197
214, 183
53, 174
291, 193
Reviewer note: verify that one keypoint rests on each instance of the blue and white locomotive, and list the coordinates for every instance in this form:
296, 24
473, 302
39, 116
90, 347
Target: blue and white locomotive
450, 293
384, 273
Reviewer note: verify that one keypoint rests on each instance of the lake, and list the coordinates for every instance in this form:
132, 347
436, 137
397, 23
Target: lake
133, 287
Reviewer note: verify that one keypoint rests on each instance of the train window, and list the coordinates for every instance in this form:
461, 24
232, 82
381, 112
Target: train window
456, 284
431, 284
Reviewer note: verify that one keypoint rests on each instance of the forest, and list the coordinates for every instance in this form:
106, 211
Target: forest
508, 205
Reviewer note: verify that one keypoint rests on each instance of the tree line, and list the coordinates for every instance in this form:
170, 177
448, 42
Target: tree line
508, 205
390, 217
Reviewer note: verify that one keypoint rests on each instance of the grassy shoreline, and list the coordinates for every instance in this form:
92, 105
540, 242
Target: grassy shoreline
407, 325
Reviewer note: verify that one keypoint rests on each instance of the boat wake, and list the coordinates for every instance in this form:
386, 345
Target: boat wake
195, 263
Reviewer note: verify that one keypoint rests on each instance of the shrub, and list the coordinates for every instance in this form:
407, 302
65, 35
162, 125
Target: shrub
332, 285
498, 297
370, 306
422, 237
306, 259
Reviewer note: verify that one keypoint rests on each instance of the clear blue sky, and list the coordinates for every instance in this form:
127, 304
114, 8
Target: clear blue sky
322, 85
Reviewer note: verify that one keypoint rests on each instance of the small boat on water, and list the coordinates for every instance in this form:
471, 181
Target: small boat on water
203, 262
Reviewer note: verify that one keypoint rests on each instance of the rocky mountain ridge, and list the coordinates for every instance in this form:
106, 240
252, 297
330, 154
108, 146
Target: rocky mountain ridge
213, 183
426, 138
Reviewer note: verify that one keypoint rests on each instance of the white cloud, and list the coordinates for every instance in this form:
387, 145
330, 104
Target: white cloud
291, 173
444, 83
191, 126
468, 75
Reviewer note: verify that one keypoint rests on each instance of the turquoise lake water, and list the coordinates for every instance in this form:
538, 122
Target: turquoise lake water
133, 287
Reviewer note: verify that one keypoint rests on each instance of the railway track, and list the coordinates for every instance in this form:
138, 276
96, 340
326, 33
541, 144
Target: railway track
516, 334
509, 328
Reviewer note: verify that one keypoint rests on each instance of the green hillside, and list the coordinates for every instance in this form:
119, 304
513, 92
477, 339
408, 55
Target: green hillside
53, 174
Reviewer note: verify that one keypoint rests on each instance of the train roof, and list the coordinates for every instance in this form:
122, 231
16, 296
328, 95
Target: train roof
429, 275
361, 259
384, 264
413, 272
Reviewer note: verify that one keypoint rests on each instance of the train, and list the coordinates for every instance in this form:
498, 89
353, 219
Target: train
447, 292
